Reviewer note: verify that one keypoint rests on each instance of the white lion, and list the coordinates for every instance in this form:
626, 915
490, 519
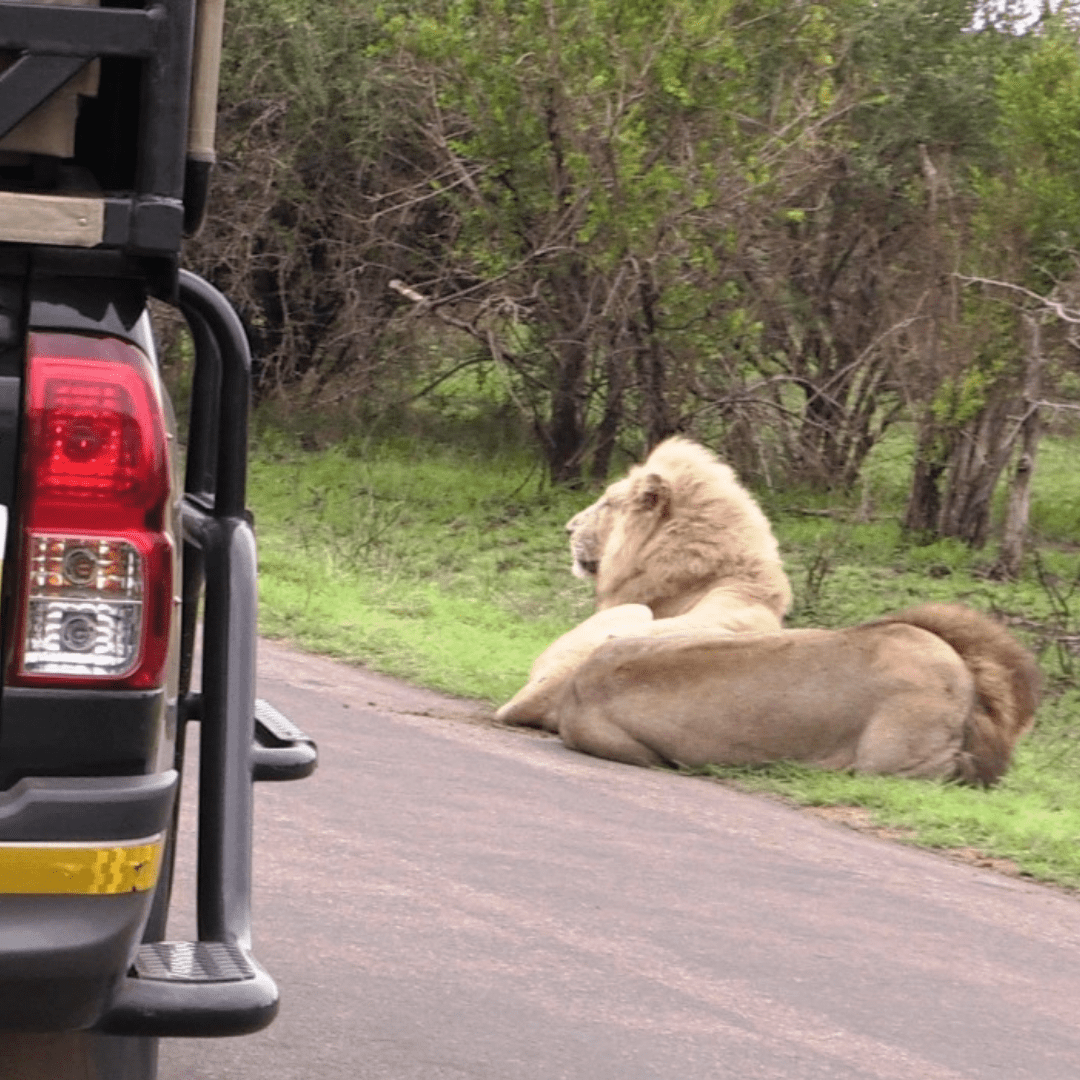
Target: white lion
677, 544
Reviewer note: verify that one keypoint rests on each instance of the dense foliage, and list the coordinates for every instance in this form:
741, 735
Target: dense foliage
778, 227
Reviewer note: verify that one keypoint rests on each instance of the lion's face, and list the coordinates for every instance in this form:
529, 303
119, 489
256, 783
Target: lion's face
589, 530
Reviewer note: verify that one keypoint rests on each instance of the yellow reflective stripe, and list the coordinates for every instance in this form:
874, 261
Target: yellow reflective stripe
79, 870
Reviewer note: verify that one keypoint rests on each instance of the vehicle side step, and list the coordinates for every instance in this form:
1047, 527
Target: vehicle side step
193, 961
281, 750
192, 988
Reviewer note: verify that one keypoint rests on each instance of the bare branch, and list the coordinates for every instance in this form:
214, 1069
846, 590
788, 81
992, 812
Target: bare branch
1068, 315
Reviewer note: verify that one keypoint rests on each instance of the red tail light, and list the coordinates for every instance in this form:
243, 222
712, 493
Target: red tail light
95, 560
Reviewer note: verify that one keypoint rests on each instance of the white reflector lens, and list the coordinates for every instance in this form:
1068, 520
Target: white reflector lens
85, 607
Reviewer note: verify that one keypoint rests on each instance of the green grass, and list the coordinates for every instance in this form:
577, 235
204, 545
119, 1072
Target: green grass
1030, 818
441, 570
449, 568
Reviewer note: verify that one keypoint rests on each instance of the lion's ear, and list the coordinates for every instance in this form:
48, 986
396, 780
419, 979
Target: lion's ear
653, 495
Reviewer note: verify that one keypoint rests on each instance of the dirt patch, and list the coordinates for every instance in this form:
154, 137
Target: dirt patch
974, 857
860, 819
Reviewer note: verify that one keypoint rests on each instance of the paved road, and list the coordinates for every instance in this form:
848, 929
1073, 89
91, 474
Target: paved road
448, 901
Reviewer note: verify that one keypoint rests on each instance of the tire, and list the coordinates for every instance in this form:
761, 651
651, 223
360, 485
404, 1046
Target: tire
77, 1055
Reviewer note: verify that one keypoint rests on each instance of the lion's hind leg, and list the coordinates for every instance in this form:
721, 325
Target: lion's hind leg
914, 735
603, 739
588, 726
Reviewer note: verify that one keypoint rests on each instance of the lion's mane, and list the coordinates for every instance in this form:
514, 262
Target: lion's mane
678, 527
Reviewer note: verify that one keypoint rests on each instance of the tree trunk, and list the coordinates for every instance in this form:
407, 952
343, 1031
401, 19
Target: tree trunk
567, 316
565, 443
1014, 534
611, 422
923, 510
651, 369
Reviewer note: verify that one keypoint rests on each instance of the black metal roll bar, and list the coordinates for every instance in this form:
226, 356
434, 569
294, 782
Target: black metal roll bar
240, 739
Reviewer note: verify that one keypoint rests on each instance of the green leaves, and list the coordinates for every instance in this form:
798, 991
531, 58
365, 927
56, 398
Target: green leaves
1032, 200
646, 215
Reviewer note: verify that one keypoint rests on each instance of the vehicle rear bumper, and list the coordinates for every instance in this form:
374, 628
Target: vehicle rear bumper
79, 858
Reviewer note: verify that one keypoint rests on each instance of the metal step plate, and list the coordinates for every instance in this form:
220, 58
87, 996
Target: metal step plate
193, 962
277, 724
281, 751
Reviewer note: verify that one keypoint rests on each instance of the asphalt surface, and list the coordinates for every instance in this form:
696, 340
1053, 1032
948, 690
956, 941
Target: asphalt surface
445, 900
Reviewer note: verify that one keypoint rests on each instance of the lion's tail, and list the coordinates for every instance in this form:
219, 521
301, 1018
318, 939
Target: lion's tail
1007, 684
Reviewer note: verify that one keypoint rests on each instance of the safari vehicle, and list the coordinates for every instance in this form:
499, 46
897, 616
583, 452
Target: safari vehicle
113, 563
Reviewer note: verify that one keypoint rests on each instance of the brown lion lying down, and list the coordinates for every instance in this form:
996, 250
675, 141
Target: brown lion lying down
938, 691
